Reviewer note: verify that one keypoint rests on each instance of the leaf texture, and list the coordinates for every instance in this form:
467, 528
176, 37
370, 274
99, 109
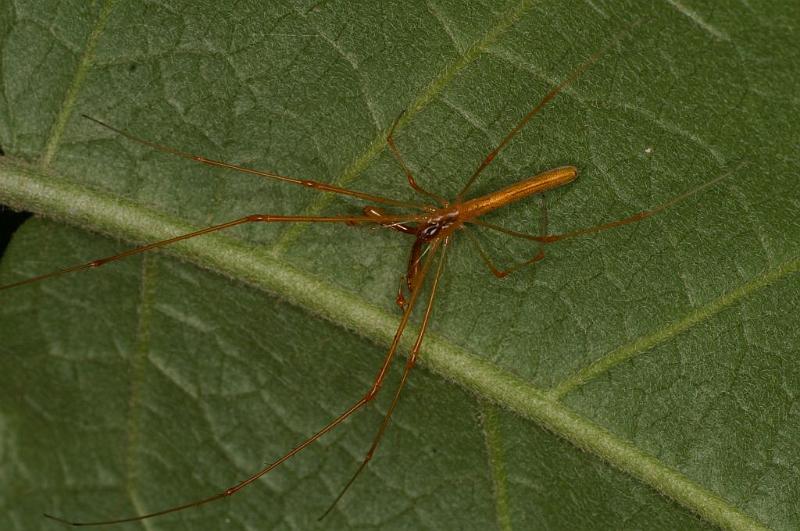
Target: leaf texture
642, 378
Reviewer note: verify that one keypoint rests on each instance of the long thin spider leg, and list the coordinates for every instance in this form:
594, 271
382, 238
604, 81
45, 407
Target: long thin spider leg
255, 218
378, 215
500, 273
410, 362
373, 391
644, 214
573, 76
410, 176
307, 183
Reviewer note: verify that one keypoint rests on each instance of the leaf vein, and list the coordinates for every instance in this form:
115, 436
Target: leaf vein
645, 344
84, 64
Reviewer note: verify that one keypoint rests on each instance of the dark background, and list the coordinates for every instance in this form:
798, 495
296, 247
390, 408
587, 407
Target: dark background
10, 221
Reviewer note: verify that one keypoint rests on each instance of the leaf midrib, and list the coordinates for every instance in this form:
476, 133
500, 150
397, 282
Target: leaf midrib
25, 187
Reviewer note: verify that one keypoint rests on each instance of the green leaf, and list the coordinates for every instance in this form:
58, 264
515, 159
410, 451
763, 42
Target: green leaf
645, 377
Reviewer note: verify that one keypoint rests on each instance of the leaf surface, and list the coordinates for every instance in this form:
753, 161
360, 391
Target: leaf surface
644, 377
